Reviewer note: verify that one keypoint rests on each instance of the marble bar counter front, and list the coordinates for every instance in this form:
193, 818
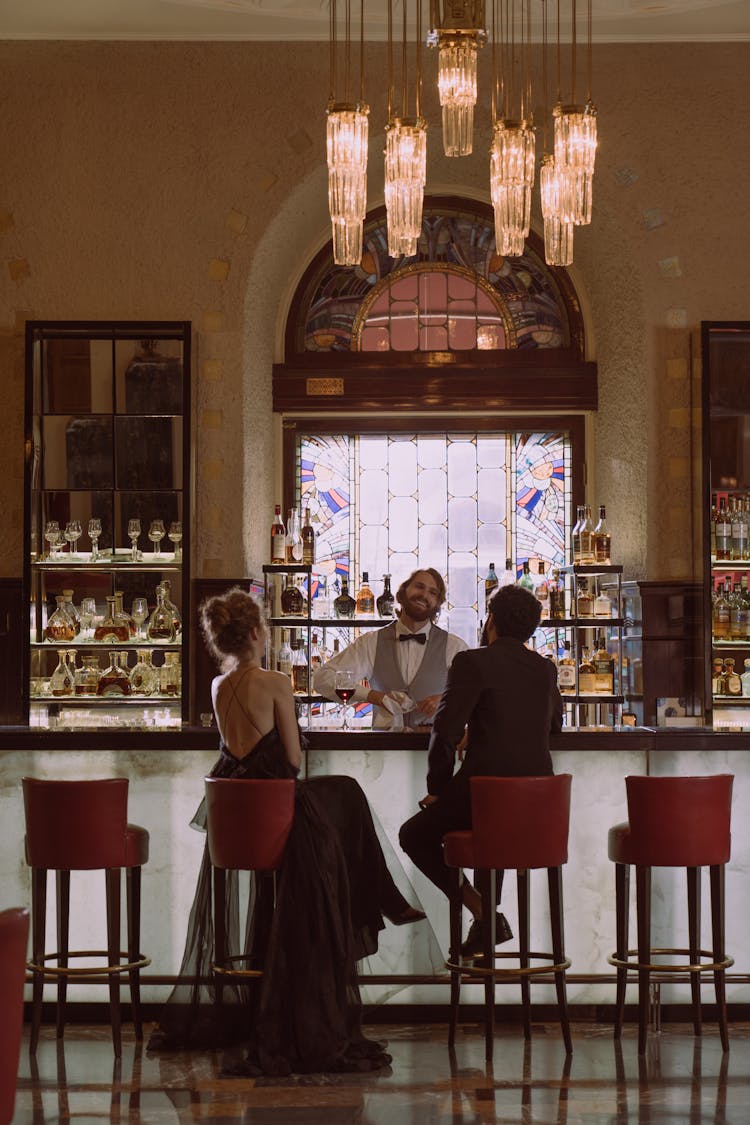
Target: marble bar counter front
166, 771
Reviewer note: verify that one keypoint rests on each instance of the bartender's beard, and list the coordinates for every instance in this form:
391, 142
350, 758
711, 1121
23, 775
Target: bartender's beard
415, 613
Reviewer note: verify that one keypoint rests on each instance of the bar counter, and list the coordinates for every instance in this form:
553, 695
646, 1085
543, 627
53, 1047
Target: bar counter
166, 770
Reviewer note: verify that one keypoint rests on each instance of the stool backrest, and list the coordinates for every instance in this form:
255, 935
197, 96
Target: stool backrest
14, 934
680, 821
248, 822
76, 825
520, 822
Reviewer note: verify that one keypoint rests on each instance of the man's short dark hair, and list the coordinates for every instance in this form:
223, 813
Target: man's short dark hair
515, 612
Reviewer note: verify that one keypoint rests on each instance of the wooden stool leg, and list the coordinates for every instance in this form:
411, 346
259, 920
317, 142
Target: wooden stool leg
522, 883
643, 907
38, 928
694, 940
454, 952
62, 882
220, 931
622, 909
554, 881
717, 929
133, 911
486, 884
113, 887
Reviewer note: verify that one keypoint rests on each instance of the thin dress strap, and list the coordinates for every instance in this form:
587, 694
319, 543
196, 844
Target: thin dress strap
235, 698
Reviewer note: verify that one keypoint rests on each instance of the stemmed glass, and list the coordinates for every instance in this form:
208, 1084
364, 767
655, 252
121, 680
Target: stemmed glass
73, 533
87, 614
95, 530
175, 535
139, 613
134, 531
53, 537
156, 533
345, 684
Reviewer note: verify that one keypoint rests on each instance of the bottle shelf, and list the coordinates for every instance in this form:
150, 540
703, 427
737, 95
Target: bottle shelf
715, 643
590, 568
592, 697
331, 622
730, 564
106, 646
106, 563
108, 700
732, 700
581, 622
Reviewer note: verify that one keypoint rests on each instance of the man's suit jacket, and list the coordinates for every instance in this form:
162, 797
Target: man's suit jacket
508, 696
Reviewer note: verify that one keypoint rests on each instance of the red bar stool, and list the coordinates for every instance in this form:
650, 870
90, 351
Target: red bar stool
672, 822
518, 823
82, 826
248, 823
14, 936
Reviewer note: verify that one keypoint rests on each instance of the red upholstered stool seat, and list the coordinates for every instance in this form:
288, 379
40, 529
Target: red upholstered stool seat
14, 937
82, 826
248, 824
672, 822
518, 823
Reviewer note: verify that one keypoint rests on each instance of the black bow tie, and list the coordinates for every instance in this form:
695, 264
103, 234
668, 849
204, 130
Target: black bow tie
420, 638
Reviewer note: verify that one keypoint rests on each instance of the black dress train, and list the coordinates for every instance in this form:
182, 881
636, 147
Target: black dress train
333, 889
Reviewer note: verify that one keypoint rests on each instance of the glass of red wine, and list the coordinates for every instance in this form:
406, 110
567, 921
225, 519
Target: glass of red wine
346, 682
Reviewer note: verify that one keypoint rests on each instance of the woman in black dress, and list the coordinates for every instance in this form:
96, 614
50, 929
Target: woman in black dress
334, 887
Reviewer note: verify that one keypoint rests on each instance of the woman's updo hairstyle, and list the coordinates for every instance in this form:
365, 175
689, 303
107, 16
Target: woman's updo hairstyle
226, 621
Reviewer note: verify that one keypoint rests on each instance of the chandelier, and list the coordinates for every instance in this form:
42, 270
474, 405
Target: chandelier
457, 32
405, 149
576, 134
347, 137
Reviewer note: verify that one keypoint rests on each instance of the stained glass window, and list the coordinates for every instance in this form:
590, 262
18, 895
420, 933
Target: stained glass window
387, 503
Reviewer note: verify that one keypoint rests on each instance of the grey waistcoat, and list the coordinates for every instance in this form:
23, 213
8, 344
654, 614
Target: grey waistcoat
431, 674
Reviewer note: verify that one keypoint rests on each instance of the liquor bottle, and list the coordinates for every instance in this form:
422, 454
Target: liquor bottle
733, 683
385, 602
292, 601
308, 540
114, 680
721, 613
723, 532
508, 576
602, 545
113, 629
316, 656
586, 675
278, 537
717, 676
604, 669
739, 532
293, 538
602, 604
584, 599
745, 678
160, 624
526, 580
737, 614
745, 596
586, 539
300, 668
284, 659
541, 590
71, 610
120, 612
575, 534
62, 680
566, 672
556, 597
365, 602
170, 675
60, 627
491, 584
713, 530
176, 618
344, 605
86, 677
144, 678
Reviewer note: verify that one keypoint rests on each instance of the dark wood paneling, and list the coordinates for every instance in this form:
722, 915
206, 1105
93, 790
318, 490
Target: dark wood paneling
672, 617
12, 710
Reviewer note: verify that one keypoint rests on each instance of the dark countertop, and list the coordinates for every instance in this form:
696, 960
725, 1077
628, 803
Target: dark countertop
206, 739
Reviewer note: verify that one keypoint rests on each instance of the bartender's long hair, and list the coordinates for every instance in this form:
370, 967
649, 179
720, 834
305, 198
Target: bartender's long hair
438, 580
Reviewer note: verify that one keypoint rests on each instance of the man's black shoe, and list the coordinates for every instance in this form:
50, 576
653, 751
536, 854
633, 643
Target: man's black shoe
472, 947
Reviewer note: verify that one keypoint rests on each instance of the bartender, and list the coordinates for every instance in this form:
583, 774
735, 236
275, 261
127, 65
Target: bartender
405, 664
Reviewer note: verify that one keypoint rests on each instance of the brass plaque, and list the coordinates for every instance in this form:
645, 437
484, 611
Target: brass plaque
324, 386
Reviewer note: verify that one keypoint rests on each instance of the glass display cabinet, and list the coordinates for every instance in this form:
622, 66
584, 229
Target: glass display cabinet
107, 522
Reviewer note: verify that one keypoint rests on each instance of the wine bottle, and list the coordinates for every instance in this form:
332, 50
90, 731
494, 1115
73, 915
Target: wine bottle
308, 540
278, 537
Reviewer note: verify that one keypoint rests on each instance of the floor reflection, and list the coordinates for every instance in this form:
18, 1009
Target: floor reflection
680, 1080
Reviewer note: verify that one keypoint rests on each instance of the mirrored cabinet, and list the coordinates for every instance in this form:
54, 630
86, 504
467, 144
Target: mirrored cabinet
107, 522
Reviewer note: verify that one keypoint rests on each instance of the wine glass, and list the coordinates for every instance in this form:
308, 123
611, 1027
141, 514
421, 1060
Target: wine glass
87, 614
345, 684
156, 533
95, 530
52, 535
73, 533
134, 531
175, 535
139, 613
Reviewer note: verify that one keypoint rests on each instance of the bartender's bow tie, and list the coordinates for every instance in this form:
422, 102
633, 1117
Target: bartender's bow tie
420, 638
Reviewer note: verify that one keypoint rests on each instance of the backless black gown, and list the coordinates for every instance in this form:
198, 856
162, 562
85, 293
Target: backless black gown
333, 889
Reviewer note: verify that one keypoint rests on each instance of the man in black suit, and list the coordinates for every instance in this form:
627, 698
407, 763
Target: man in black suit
505, 697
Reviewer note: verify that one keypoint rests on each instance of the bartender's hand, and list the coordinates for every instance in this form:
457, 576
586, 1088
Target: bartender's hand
428, 705
428, 800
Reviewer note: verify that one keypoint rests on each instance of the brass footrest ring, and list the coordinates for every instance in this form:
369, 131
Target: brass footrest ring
511, 974
107, 970
664, 967
224, 971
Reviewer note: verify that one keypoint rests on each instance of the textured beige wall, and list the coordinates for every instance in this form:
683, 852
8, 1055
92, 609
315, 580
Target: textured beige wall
188, 181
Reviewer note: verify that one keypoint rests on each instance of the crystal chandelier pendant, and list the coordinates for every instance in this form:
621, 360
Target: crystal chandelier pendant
575, 151
511, 179
346, 142
405, 178
558, 230
457, 87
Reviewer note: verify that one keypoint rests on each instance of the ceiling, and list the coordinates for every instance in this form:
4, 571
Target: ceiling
633, 21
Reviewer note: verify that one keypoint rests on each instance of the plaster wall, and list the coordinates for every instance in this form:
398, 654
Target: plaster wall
187, 181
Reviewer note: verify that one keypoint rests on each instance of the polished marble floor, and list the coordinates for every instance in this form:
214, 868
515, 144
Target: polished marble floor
680, 1081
